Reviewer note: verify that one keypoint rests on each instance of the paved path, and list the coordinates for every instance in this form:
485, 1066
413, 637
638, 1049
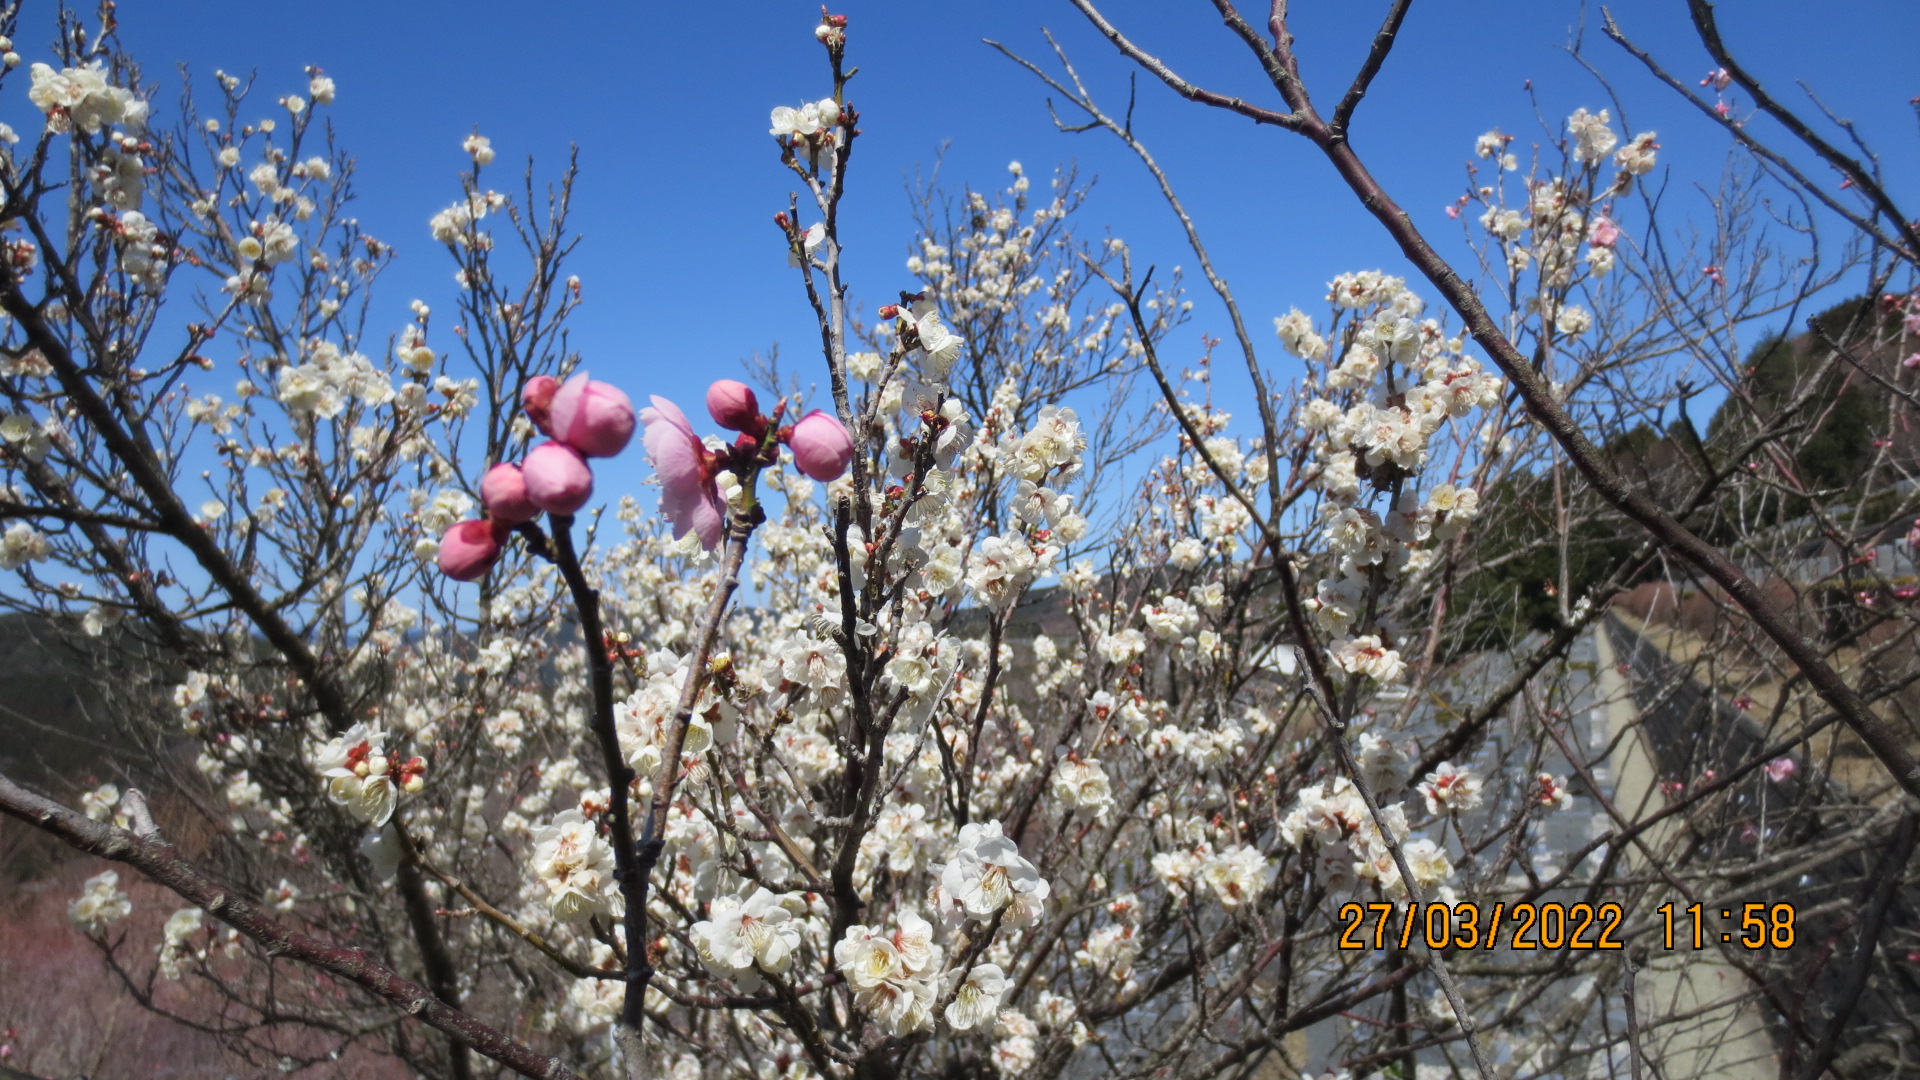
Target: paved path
1724, 1037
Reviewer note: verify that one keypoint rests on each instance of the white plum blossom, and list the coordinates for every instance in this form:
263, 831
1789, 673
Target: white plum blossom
939, 346
361, 777
100, 902
895, 976
23, 544
329, 380
1449, 788
739, 937
1382, 763
81, 97
1187, 553
808, 119
173, 949
1428, 861
1637, 157
1297, 336
1082, 784
576, 866
98, 804
1573, 320
986, 875
1237, 874
1552, 792
1593, 139
457, 223
976, 999
1111, 947
1001, 568
810, 240
1368, 655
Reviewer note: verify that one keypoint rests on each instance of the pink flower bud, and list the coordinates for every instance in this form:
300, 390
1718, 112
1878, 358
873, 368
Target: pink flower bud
821, 447
537, 399
734, 407
592, 417
503, 491
558, 479
469, 550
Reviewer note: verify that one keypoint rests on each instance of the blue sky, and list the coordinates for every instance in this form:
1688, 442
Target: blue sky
668, 105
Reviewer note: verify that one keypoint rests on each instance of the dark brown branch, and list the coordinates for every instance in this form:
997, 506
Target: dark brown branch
1746, 139
172, 516
1879, 737
435, 960
629, 869
1886, 878
1181, 86
1376, 56
1703, 21
653, 838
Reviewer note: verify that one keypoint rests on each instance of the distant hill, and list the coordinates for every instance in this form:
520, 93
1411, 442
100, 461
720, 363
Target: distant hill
53, 705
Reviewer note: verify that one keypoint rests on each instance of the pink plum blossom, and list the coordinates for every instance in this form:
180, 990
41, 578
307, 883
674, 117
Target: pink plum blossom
734, 407
686, 468
537, 399
592, 417
1780, 768
821, 447
558, 479
503, 491
1604, 233
470, 549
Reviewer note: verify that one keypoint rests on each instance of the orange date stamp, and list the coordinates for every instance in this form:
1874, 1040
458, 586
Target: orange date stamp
1554, 926
1467, 925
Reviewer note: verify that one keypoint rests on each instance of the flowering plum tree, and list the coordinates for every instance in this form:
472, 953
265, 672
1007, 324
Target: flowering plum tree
909, 736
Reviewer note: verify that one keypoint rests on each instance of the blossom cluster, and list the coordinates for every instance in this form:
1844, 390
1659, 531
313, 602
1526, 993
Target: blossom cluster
362, 778
583, 418
903, 797
1399, 383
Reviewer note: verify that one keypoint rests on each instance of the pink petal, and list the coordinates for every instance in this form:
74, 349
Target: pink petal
566, 404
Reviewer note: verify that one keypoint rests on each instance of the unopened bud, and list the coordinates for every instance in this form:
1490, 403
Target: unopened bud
537, 399
734, 407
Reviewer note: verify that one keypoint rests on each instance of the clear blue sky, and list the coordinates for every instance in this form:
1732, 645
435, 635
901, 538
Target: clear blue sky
668, 104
